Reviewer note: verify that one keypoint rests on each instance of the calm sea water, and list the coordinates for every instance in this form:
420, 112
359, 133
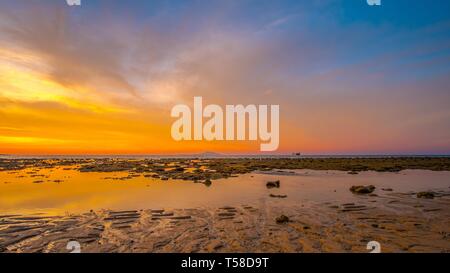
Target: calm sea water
61, 190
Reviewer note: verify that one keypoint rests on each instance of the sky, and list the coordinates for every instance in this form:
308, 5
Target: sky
102, 78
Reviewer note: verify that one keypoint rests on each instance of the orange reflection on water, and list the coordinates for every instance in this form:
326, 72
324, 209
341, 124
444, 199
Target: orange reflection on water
64, 190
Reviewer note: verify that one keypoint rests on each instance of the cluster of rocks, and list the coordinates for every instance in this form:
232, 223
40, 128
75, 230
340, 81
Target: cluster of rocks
164, 169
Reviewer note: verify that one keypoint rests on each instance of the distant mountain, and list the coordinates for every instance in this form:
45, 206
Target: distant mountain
209, 154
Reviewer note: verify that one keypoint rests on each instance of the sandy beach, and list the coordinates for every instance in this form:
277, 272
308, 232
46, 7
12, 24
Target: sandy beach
133, 211
406, 225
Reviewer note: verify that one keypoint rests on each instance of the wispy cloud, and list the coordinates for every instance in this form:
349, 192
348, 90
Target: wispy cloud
113, 71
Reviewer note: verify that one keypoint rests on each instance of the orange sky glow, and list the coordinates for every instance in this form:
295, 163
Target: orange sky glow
72, 86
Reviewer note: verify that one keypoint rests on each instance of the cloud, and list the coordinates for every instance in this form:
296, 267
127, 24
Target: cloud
118, 63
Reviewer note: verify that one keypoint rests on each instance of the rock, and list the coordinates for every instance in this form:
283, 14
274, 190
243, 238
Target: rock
278, 195
352, 172
362, 189
425, 195
387, 189
273, 184
207, 182
282, 219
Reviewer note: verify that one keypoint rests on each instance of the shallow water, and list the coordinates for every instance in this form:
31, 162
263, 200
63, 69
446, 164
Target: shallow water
80, 192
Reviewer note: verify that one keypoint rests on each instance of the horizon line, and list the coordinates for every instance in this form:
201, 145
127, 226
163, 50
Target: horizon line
215, 154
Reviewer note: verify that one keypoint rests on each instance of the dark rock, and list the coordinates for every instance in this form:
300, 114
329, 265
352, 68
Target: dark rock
425, 195
278, 195
207, 182
362, 189
387, 189
273, 184
282, 219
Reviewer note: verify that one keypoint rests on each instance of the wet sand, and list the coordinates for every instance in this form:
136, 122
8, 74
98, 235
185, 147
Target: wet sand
105, 213
402, 223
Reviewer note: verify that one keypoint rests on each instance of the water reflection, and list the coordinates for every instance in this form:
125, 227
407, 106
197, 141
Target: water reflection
65, 190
